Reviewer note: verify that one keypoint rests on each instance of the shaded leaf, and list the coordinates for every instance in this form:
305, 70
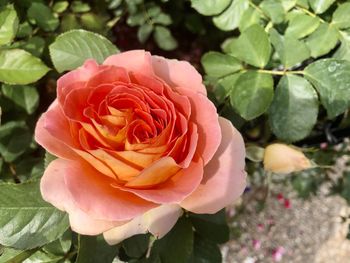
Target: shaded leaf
218, 65
210, 7
323, 40
294, 109
331, 78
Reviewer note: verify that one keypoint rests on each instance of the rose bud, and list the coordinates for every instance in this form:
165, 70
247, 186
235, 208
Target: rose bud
283, 159
137, 141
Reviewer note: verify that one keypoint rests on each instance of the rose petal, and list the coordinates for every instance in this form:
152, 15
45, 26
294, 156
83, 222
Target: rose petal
53, 133
92, 192
224, 176
81, 74
204, 114
159, 221
135, 60
54, 191
178, 73
182, 184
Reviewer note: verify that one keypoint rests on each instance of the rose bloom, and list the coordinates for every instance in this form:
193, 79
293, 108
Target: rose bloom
137, 140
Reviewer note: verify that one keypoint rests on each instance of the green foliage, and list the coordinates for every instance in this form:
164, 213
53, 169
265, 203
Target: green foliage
293, 112
8, 24
70, 50
27, 221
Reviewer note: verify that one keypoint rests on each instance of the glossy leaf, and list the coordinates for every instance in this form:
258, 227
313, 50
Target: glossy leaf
341, 16
10, 255
229, 19
249, 17
323, 40
294, 109
144, 32
205, 251
210, 7
20, 67
301, 25
164, 38
26, 97
213, 227
43, 16
290, 50
71, 49
274, 9
8, 24
320, 6
94, 249
136, 246
252, 94
27, 221
218, 65
177, 245
252, 46
331, 78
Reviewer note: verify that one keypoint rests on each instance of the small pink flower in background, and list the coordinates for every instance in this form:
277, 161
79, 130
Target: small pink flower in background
286, 203
137, 140
261, 227
256, 244
277, 254
323, 145
280, 197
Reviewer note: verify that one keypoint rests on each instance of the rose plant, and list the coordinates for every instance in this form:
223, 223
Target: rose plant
137, 140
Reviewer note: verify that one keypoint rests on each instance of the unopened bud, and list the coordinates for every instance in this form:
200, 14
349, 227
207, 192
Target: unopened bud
283, 159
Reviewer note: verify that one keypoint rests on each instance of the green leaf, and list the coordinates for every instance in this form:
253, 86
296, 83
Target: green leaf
44, 257
303, 3
225, 85
320, 6
294, 109
80, 7
331, 78
252, 46
20, 67
205, 251
60, 6
229, 19
144, 32
15, 138
164, 38
290, 50
213, 227
26, 97
136, 246
249, 17
301, 25
341, 18
43, 16
210, 7
162, 19
177, 245
11, 255
343, 52
323, 40
218, 65
255, 153
252, 94
27, 221
94, 249
34, 45
24, 30
274, 9
288, 4
8, 24
71, 49
60, 246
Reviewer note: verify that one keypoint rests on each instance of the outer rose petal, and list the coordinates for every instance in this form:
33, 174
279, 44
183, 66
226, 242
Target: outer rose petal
81, 74
159, 221
224, 176
54, 191
204, 114
53, 133
92, 192
134, 60
178, 73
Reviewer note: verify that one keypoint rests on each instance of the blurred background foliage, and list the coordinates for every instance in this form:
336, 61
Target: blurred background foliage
278, 69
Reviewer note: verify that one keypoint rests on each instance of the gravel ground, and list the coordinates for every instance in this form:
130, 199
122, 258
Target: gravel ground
302, 231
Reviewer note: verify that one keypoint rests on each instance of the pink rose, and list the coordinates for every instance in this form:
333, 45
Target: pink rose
137, 140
